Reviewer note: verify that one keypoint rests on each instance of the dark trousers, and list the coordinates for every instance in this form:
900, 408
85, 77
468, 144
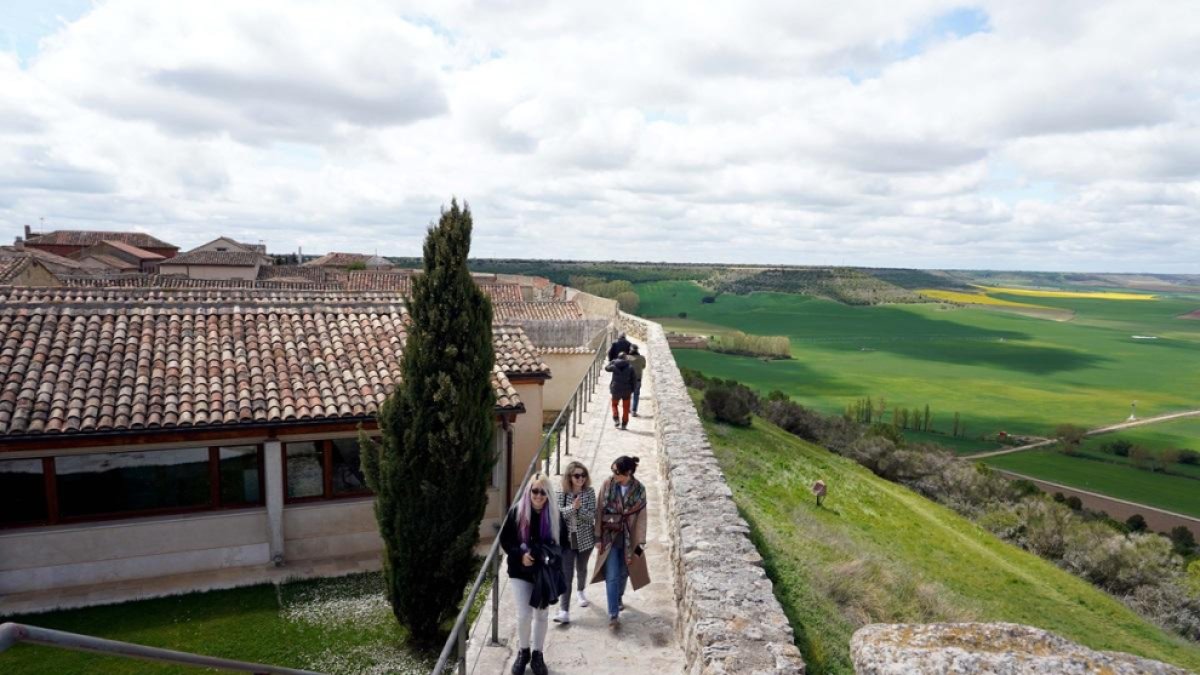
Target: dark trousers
574, 564
624, 409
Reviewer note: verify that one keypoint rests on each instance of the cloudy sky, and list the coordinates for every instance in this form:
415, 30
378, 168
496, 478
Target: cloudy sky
918, 133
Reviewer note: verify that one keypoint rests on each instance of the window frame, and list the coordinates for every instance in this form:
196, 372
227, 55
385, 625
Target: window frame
325, 447
53, 507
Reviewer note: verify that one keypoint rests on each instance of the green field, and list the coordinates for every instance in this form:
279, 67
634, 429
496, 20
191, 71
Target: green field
339, 625
999, 371
877, 552
1098, 473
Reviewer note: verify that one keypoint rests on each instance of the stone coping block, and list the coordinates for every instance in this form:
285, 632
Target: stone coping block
985, 649
729, 618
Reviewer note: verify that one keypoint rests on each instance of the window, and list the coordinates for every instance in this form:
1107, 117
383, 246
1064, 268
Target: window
239, 475
346, 466
500, 443
120, 482
305, 469
22, 492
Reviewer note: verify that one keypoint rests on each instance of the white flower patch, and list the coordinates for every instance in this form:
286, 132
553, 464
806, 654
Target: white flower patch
368, 660
355, 599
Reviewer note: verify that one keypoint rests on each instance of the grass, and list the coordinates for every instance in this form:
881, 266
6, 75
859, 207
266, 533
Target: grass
960, 444
341, 625
998, 370
1173, 493
879, 552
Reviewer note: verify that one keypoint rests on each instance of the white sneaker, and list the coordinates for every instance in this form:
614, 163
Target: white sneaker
563, 616
581, 599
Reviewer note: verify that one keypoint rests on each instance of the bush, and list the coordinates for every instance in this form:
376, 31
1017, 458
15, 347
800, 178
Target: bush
1187, 456
708, 299
694, 378
1119, 563
1074, 503
733, 404
1183, 540
628, 301
793, 418
737, 342
1136, 523
683, 315
1168, 457
1119, 447
1170, 605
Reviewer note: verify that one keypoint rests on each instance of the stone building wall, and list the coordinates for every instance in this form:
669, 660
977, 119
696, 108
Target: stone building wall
730, 621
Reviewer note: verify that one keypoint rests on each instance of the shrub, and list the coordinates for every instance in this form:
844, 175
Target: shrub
1119, 447
1183, 539
1187, 456
683, 315
1136, 523
1168, 457
356, 266
1119, 563
732, 404
1170, 605
793, 418
694, 378
1074, 503
1141, 457
708, 299
1060, 497
628, 301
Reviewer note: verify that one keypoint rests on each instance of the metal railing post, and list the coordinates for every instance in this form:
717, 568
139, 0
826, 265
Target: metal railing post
558, 443
462, 652
567, 431
496, 601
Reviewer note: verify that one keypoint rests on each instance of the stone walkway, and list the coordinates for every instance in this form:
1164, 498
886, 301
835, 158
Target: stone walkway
647, 641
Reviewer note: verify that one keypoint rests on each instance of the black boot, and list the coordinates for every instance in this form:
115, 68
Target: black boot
539, 666
522, 661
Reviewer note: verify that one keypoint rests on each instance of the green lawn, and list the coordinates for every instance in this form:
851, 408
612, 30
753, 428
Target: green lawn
339, 625
1174, 493
959, 444
879, 552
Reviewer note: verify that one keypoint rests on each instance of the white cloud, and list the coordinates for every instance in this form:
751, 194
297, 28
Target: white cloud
1041, 136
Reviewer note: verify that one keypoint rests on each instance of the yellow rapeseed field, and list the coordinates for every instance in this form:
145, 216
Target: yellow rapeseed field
966, 298
1096, 295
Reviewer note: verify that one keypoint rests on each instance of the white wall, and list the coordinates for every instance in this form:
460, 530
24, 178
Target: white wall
568, 370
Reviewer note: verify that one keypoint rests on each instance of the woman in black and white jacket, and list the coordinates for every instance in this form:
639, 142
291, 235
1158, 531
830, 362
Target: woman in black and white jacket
577, 504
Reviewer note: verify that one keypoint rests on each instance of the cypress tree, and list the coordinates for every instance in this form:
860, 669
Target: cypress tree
430, 471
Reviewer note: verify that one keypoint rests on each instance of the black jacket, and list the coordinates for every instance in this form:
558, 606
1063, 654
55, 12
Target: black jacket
624, 378
618, 347
510, 541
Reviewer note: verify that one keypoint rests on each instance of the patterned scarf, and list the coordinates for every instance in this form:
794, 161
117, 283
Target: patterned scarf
618, 510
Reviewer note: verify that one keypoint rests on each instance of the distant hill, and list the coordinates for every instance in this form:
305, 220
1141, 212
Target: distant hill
878, 552
842, 284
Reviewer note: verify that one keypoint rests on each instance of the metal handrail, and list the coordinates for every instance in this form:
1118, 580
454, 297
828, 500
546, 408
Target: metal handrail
491, 564
12, 633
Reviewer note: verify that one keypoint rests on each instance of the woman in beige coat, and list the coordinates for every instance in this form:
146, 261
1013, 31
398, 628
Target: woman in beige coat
621, 535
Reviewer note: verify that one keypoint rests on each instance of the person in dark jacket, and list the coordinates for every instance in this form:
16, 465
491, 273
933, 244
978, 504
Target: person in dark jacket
619, 346
534, 522
624, 380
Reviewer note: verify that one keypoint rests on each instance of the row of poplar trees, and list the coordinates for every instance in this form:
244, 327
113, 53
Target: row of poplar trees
430, 469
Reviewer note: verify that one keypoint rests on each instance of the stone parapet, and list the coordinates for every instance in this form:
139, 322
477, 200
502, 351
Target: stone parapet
729, 619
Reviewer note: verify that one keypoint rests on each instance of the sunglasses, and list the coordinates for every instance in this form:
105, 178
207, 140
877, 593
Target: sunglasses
538, 491
579, 475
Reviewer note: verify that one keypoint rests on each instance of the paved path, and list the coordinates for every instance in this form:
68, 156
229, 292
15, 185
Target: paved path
647, 641
1146, 421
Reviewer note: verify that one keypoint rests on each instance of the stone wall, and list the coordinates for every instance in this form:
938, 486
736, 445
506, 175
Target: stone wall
730, 621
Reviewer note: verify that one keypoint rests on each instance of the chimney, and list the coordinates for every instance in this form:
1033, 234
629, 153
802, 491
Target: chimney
19, 243
28, 232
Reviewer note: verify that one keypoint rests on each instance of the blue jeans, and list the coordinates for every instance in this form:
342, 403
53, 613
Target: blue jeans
637, 393
615, 573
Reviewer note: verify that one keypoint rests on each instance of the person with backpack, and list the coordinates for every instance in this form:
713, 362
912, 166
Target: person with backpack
577, 503
621, 388
530, 539
639, 366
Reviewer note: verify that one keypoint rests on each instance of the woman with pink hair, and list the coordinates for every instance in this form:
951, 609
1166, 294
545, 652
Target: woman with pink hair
530, 539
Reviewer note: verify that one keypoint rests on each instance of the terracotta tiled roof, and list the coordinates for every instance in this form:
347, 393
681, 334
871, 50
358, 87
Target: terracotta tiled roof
582, 349
74, 368
163, 281
112, 261
336, 259
313, 274
44, 257
538, 311
10, 268
219, 258
90, 237
139, 253
115, 296
503, 292
516, 354
400, 282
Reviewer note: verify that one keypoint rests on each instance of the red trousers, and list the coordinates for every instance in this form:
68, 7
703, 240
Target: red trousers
624, 409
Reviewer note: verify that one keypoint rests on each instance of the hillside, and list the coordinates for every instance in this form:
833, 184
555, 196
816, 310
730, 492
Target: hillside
877, 552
